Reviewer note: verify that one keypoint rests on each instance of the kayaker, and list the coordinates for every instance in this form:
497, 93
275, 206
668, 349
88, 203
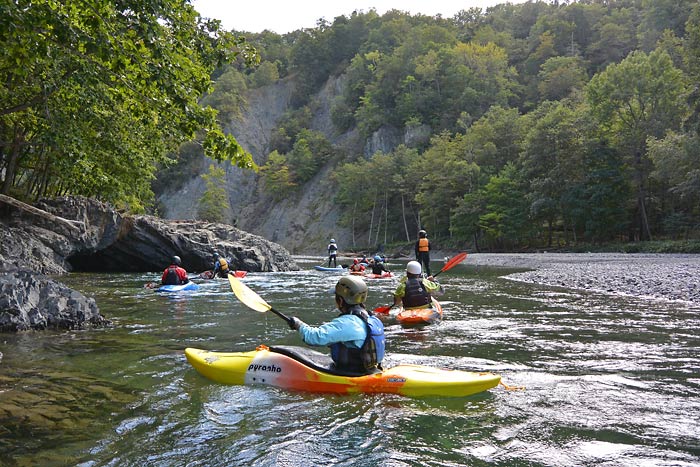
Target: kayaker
378, 266
174, 274
332, 253
220, 265
356, 337
422, 249
356, 266
414, 291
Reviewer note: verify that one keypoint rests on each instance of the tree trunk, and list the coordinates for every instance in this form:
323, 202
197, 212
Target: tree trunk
403, 214
371, 221
11, 166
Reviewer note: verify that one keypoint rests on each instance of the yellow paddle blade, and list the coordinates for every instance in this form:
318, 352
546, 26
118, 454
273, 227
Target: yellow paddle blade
247, 296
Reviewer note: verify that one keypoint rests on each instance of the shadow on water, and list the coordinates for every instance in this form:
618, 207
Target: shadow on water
610, 381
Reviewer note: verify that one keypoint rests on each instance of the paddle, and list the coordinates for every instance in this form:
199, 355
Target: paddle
453, 262
251, 299
448, 265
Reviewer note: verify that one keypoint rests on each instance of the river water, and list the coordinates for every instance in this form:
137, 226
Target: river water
609, 381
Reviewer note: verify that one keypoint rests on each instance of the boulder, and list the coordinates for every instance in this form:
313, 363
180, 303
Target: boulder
35, 302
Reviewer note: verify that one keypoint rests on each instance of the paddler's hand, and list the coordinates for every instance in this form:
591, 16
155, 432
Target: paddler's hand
295, 323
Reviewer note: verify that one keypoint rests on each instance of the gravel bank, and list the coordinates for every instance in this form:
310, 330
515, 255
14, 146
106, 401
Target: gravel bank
663, 276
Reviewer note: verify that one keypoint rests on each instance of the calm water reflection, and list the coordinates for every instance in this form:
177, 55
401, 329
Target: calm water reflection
610, 381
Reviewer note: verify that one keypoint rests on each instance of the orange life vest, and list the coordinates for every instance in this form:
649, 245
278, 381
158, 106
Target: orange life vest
423, 245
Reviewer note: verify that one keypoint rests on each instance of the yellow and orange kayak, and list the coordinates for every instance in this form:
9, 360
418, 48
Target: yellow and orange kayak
304, 369
420, 315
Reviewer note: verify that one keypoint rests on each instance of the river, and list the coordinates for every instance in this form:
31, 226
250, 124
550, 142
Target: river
609, 380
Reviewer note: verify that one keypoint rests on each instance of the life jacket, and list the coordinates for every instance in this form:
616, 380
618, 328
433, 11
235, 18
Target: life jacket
172, 278
332, 248
223, 265
423, 245
415, 296
367, 358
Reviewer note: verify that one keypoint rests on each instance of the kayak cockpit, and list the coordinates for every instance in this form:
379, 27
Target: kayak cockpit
316, 360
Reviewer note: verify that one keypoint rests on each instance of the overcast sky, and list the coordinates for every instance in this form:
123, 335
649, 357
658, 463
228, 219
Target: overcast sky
282, 16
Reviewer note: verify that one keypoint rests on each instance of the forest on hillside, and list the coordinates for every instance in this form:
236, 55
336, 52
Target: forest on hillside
532, 125
547, 124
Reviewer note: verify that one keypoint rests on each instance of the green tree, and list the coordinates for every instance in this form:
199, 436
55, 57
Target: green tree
95, 94
213, 204
277, 180
505, 222
642, 96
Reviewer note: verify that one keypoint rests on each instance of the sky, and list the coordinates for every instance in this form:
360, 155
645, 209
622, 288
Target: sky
283, 16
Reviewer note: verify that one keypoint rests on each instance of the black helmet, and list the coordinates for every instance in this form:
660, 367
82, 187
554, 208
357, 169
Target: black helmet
177, 260
352, 289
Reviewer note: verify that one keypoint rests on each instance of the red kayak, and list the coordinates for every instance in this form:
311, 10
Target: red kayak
210, 274
384, 275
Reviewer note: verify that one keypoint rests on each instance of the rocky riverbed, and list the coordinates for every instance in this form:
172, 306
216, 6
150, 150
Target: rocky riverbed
661, 276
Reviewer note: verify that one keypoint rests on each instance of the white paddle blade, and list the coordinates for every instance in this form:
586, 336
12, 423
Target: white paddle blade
247, 296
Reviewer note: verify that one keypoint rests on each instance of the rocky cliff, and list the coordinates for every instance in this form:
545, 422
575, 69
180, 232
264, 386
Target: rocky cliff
303, 223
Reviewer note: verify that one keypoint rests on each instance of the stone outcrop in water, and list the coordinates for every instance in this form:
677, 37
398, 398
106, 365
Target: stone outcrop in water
80, 234
33, 302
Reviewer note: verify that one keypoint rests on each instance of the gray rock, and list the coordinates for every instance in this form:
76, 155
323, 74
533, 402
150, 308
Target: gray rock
34, 302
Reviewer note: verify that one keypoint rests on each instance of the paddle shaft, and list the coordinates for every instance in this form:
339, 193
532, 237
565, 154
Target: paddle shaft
281, 315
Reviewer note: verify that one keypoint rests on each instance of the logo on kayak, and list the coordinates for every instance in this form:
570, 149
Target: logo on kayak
270, 368
396, 380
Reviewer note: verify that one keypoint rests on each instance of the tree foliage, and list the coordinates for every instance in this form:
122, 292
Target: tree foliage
96, 93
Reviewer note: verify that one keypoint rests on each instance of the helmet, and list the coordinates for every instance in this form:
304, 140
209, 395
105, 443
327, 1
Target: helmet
413, 267
332, 240
355, 261
422, 233
216, 254
177, 260
377, 258
352, 289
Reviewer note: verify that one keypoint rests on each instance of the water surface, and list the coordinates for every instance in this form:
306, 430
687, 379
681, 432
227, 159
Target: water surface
609, 381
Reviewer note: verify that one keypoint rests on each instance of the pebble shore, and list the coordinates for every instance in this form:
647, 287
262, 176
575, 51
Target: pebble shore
662, 276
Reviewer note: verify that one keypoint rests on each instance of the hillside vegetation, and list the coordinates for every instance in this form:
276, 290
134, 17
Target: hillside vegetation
538, 124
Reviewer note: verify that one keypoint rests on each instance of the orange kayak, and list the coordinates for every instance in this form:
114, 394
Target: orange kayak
420, 315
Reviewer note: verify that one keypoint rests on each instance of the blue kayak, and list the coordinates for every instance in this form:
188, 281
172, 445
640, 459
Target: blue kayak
178, 288
323, 268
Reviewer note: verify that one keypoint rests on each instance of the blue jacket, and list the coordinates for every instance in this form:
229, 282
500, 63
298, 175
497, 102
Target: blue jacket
348, 329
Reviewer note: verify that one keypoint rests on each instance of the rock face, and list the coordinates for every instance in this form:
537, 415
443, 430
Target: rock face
101, 239
34, 302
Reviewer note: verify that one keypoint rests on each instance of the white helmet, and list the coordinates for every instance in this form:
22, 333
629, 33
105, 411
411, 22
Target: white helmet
413, 267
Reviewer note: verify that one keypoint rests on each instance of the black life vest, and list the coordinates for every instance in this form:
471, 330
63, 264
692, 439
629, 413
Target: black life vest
172, 278
378, 268
367, 358
415, 296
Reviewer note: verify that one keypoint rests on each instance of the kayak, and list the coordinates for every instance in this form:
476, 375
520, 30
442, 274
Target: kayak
413, 317
210, 274
178, 288
383, 275
323, 268
420, 315
304, 369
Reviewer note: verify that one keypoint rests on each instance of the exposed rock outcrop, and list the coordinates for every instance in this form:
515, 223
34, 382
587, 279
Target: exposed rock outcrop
108, 241
34, 302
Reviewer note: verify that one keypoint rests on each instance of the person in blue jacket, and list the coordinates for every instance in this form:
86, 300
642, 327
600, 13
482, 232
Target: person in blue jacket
356, 337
